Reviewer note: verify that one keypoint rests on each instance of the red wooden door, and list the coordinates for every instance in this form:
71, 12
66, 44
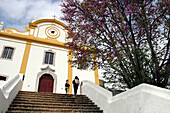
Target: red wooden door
46, 83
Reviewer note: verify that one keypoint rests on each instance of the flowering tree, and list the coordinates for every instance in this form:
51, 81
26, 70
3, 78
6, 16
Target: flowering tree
129, 37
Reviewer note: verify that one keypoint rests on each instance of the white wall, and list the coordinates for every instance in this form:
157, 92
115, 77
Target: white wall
141, 99
11, 67
83, 75
35, 63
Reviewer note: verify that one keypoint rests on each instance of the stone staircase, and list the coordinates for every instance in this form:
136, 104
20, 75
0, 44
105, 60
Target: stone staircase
35, 102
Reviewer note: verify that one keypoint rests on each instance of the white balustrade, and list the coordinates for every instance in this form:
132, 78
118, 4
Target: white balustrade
143, 98
8, 91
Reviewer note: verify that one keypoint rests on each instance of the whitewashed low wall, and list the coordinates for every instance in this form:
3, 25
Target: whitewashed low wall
140, 99
8, 91
1, 82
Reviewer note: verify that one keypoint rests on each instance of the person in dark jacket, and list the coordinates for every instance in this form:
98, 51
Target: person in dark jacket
75, 84
67, 86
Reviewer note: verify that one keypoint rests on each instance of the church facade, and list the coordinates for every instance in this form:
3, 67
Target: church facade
40, 54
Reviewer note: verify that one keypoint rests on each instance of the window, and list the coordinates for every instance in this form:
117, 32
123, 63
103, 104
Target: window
49, 58
7, 53
2, 78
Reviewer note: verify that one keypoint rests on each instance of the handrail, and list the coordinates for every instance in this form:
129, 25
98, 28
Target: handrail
8, 85
131, 101
8, 91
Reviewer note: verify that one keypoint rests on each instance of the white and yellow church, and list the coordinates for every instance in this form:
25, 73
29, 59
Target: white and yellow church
39, 53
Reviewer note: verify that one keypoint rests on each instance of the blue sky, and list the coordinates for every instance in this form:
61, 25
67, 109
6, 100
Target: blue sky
18, 13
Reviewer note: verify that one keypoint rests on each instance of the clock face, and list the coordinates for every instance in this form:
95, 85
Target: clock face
52, 32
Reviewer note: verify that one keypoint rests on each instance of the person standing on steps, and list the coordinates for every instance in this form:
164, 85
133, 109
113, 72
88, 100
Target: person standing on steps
75, 84
67, 86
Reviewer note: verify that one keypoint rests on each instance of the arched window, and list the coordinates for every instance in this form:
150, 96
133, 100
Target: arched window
7, 53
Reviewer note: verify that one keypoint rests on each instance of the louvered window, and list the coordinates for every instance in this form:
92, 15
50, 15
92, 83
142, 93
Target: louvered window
49, 58
7, 53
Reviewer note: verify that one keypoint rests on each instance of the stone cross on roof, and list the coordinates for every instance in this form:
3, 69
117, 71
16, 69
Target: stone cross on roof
54, 16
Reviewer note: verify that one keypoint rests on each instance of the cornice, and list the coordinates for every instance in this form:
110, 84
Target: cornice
34, 24
33, 39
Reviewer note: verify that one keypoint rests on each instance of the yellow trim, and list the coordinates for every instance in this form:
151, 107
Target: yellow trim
9, 34
34, 24
96, 72
25, 59
48, 47
96, 76
27, 28
33, 44
70, 71
33, 32
32, 39
54, 25
65, 35
52, 36
9, 30
12, 41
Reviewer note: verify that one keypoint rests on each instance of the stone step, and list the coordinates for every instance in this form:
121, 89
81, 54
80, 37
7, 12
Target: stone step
63, 111
55, 104
51, 104
42, 102
32, 102
55, 101
55, 94
52, 109
49, 94
50, 97
43, 98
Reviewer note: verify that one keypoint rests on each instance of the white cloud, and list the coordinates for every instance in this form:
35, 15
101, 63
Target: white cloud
23, 11
44, 9
13, 8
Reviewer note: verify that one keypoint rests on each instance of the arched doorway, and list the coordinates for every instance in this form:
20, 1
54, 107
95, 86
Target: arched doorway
46, 83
